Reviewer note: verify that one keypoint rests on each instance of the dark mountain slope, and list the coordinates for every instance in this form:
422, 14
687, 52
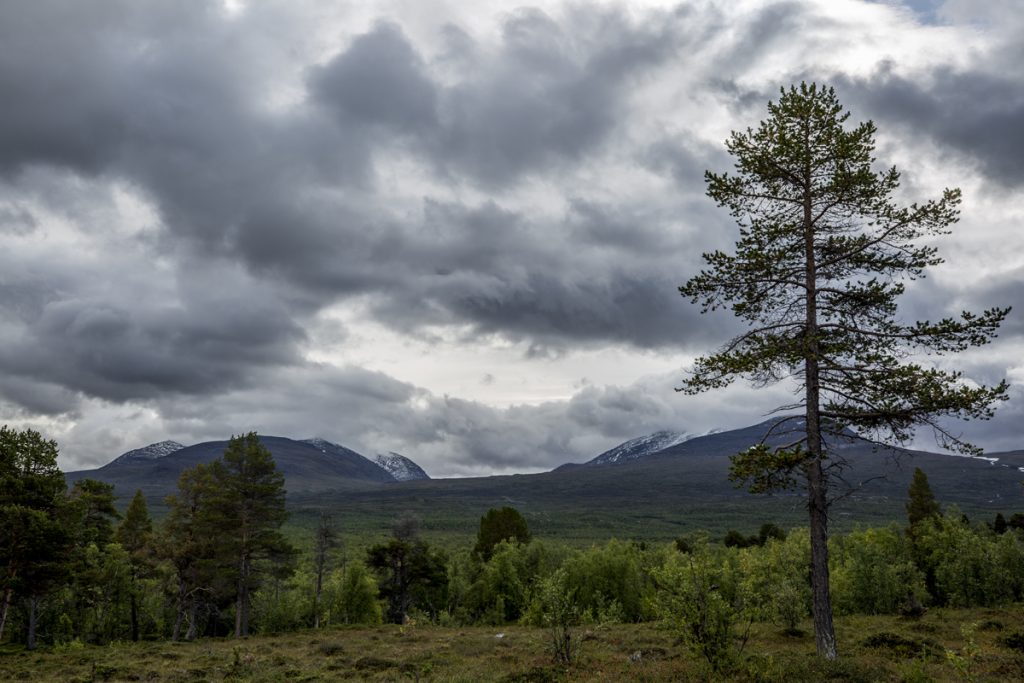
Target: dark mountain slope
306, 466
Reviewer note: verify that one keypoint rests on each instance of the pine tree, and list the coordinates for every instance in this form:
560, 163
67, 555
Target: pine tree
821, 260
247, 505
410, 573
189, 542
93, 501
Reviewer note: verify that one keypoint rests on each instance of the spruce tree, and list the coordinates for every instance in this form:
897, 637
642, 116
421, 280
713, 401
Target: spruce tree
822, 257
921, 503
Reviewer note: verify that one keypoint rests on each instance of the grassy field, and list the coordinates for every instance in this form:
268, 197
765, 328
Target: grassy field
933, 648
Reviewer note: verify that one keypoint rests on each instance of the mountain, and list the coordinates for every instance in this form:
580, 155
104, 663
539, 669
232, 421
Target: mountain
308, 466
683, 488
640, 447
776, 431
150, 452
400, 467
659, 496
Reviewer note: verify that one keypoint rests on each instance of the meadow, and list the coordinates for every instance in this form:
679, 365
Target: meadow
944, 645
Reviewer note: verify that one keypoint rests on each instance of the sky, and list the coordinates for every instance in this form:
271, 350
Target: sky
451, 230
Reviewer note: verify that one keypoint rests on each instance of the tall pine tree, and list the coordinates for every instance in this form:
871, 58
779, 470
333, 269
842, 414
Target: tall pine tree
822, 257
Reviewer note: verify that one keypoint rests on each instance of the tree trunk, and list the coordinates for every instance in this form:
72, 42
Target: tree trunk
316, 597
3, 611
242, 603
134, 606
817, 483
33, 618
180, 616
824, 631
193, 617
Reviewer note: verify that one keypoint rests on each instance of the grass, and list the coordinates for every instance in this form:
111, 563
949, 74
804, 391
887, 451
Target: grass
873, 648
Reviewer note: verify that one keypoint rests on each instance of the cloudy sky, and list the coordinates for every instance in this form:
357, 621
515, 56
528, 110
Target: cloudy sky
453, 230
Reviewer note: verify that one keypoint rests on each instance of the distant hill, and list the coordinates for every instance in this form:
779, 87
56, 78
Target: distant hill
308, 466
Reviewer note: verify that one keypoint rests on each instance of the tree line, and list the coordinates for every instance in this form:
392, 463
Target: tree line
77, 570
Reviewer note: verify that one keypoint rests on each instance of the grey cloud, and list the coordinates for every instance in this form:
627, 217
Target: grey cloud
378, 80
495, 270
16, 220
549, 96
976, 113
28, 396
179, 113
545, 96
116, 353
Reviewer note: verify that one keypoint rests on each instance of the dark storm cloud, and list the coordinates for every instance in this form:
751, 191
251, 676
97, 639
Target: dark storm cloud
118, 353
30, 396
977, 114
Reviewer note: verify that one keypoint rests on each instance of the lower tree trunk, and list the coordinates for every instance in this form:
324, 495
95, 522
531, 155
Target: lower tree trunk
824, 631
193, 617
134, 606
242, 612
318, 591
33, 617
242, 604
180, 616
3, 610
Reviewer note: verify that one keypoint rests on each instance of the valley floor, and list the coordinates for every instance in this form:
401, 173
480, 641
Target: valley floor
936, 647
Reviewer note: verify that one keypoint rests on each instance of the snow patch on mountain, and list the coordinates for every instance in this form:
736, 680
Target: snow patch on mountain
400, 467
323, 444
641, 446
150, 452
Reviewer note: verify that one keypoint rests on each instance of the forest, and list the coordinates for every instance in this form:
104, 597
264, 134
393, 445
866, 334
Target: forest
76, 571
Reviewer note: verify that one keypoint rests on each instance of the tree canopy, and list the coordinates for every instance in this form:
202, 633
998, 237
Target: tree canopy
499, 525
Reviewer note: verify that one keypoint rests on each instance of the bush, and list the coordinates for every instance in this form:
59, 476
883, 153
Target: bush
700, 599
557, 609
350, 596
776, 580
608, 582
873, 572
971, 567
